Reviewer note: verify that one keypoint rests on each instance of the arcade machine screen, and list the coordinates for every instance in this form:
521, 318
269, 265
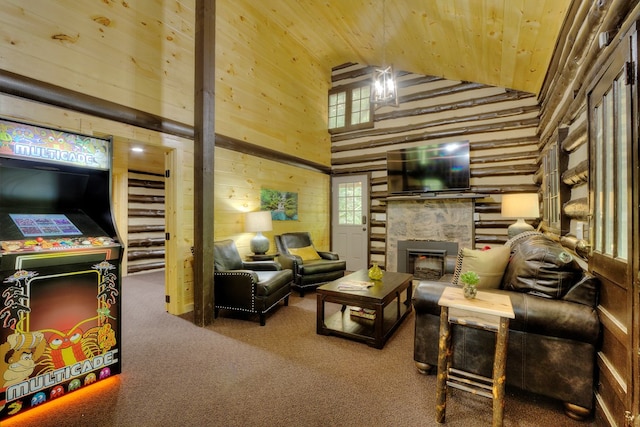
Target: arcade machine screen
46, 225
60, 261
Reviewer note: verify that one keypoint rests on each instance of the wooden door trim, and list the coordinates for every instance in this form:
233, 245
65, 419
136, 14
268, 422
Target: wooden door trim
617, 359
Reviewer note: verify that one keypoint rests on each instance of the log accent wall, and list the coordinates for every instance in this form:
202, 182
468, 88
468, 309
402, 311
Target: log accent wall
500, 125
575, 67
563, 99
146, 224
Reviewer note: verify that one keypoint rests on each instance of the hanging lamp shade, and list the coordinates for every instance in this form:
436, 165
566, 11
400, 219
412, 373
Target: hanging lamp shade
384, 88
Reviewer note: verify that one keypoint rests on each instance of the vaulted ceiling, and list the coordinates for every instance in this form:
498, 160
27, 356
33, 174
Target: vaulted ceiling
506, 43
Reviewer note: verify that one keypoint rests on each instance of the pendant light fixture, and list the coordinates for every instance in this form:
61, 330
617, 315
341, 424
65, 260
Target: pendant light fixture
384, 89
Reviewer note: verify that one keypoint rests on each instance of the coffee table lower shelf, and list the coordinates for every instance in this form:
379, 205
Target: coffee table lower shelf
345, 325
384, 297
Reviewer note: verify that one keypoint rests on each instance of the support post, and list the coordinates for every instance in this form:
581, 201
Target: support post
203, 165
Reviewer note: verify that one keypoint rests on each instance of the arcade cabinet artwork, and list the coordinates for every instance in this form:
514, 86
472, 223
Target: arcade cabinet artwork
59, 265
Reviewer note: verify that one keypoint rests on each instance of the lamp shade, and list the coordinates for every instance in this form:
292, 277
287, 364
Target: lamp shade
523, 205
520, 206
258, 221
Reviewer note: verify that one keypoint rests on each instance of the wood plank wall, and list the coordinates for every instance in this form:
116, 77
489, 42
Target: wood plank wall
138, 54
238, 181
270, 92
499, 124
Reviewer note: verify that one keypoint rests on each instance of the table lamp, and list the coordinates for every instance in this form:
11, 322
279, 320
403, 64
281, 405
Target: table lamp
520, 206
258, 222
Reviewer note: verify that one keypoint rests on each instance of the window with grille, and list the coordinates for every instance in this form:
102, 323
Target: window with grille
350, 108
551, 182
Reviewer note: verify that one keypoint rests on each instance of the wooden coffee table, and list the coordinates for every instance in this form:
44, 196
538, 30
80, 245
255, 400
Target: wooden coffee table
378, 298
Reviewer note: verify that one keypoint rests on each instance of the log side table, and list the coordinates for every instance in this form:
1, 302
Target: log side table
489, 311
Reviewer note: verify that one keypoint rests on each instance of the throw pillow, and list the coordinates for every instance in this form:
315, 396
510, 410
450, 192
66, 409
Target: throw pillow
458, 269
307, 253
489, 264
541, 266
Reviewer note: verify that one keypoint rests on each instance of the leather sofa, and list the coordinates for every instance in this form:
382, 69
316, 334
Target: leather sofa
247, 286
310, 268
553, 339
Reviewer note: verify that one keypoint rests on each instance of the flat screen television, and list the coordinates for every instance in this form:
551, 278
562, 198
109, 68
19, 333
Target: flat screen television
429, 169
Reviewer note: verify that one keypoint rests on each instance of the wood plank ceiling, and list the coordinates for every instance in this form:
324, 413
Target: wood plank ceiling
506, 43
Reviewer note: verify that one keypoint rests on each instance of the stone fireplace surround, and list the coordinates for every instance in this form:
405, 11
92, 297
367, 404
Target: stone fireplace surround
431, 219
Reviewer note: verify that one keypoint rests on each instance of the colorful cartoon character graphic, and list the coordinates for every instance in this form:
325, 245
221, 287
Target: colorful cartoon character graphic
38, 399
66, 347
72, 346
57, 391
18, 356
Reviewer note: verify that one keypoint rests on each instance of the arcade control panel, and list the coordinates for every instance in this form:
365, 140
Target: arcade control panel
54, 244
48, 232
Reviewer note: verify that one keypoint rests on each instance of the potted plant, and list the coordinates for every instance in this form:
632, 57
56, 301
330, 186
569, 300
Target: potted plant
469, 281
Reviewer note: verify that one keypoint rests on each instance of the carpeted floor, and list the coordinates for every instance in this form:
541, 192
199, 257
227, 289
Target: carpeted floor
236, 373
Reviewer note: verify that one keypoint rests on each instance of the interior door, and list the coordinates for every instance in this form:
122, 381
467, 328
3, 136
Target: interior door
350, 220
613, 194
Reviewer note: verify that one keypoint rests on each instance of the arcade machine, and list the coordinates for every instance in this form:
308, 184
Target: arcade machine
59, 266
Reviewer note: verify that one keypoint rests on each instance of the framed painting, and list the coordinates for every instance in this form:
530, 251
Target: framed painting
282, 204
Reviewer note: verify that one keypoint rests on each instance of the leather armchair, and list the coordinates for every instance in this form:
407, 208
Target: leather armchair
250, 287
308, 273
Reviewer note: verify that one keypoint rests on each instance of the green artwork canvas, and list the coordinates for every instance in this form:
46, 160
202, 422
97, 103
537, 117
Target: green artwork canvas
282, 204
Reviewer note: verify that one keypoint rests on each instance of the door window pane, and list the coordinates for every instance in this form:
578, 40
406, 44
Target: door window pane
598, 180
611, 177
350, 203
608, 194
622, 169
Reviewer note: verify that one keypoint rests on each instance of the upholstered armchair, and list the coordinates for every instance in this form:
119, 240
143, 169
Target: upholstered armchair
310, 267
250, 287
